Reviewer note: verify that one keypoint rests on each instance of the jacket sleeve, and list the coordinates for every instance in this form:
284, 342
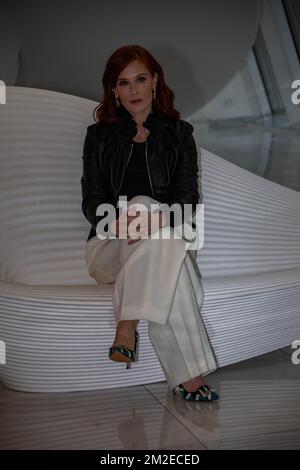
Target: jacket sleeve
94, 187
186, 185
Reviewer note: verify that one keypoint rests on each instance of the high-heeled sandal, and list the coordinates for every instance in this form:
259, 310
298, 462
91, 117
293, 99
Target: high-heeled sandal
203, 393
123, 354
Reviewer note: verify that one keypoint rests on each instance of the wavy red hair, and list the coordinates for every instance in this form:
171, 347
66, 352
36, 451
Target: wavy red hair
106, 110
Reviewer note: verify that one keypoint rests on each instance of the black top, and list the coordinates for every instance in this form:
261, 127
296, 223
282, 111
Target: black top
136, 180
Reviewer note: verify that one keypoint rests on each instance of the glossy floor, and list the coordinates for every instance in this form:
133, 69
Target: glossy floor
259, 408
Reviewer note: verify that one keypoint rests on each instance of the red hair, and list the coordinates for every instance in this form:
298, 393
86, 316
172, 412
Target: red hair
106, 110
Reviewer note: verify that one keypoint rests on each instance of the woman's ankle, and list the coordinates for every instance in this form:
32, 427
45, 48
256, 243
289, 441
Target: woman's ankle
127, 325
134, 323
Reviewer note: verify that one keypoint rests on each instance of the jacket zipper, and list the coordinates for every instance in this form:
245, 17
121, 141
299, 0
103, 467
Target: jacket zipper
149, 172
127, 164
116, 198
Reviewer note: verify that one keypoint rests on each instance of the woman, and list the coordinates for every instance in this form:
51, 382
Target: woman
140, 148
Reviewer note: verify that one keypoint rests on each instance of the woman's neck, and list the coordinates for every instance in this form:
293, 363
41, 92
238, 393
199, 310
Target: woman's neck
141, 135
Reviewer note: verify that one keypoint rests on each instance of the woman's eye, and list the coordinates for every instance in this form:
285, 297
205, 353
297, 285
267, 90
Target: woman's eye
139, 79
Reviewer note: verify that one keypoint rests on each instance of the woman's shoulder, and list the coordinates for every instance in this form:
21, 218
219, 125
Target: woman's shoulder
97, 127
183, 126
98, 130
180, 129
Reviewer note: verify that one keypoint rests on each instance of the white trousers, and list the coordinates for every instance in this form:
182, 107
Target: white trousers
157, 280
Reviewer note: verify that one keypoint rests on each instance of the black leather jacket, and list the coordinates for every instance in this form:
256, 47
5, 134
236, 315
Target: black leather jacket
171, 156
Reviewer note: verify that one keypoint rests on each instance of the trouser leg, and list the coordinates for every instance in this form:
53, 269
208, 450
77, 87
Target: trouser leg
155, 280
145, 273
145, 286
182, 344
103, 260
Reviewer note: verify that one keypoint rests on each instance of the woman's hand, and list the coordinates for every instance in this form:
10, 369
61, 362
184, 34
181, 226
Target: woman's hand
148, 223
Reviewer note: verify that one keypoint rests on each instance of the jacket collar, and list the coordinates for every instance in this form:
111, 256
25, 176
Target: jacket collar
154, 123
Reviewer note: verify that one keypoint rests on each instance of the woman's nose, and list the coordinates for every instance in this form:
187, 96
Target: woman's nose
133, 88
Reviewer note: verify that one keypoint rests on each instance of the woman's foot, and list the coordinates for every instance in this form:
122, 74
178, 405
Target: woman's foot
202, 393
196, 389
193, 384
125, 334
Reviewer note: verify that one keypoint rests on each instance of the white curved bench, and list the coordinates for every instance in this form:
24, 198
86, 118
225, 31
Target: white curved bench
250, 262
58, 323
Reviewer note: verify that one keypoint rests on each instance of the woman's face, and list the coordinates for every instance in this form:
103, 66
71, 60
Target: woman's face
135, 83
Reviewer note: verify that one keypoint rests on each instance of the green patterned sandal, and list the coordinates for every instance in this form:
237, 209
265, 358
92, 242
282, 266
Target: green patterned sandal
203, 393
123, 354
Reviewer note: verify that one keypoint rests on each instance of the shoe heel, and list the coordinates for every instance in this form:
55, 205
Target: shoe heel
126, 353
136, 350
137, 345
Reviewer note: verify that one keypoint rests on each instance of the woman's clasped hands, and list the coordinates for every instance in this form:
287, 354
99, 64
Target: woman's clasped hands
135, 225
